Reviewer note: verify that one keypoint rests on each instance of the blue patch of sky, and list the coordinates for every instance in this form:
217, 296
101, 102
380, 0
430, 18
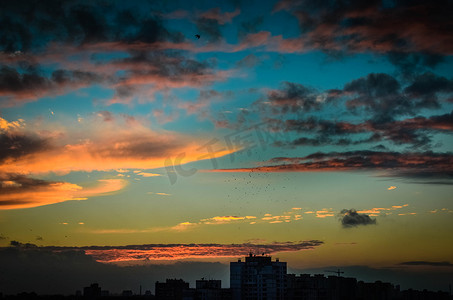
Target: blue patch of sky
70, 104
444, 68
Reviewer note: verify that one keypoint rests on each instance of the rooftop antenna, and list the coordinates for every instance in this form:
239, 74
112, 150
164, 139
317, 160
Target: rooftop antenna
338, 272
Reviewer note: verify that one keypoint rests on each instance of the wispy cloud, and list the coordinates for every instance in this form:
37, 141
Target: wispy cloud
267, 218
121, 143
184, 251
375, 211
161, 194
144, 174
324, 213
424, 166
18, 191
427, 263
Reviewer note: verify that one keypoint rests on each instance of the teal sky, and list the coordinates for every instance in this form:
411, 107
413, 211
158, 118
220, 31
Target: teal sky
320, 132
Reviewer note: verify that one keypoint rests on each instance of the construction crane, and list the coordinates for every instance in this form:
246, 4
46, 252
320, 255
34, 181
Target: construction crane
338, 272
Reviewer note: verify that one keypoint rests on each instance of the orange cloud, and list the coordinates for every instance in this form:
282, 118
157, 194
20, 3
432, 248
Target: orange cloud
183, 226
378, 210
6, 126
285, 217
225, 219
217, 220
119, 144
324, 213
391, 188
406, 165
144, 174
400, 206
184, 251
105, 187
28, 192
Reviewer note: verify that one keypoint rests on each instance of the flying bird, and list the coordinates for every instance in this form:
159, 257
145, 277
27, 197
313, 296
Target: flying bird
197, 36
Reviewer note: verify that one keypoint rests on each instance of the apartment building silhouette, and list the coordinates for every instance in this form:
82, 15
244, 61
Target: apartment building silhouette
258, 278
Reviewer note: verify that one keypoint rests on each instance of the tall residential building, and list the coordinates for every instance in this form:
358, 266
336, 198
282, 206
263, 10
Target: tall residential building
258, 278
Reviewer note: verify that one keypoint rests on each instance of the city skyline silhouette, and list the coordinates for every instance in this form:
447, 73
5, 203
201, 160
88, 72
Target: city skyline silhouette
149, 140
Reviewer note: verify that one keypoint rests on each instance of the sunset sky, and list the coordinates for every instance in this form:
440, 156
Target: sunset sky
319, 132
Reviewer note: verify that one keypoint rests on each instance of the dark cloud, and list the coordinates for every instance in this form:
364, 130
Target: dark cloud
16, 145
146, 72
30, 84
77, 23
22, 182
178, 251
209, 29
351, 218
290, 98
136, 146
11, 81
379, 26
88, 23
416, 165
173, 251
210, 22
378, 99
316, 142
416, 132
384, 98
13, 185
377, 94
319, 126
428, 85
373, 85
159, 69
74, 77
427, 263
19, 191
412, 64
24, 246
